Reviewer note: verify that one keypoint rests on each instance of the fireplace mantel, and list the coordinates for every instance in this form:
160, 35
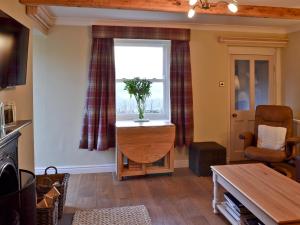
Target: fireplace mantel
12, 129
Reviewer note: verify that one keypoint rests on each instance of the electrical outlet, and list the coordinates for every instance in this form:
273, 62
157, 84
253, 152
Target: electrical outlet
221, 84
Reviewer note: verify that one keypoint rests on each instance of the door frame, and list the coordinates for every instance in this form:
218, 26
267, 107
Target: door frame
276, 83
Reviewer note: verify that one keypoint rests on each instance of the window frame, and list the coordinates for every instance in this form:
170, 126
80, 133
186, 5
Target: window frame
166, 45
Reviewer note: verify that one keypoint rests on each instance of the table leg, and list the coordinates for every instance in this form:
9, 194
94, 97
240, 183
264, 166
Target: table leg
216, 193
119, 164
171, 159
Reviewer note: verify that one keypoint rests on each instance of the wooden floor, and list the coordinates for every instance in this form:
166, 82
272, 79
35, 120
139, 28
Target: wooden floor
181, 199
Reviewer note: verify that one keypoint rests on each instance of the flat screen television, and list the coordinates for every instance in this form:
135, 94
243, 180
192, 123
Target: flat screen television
14, 39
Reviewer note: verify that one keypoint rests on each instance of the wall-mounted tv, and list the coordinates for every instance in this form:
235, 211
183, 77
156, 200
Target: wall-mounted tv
14, 38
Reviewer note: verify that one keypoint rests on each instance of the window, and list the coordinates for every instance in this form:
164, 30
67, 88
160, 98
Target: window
148, 59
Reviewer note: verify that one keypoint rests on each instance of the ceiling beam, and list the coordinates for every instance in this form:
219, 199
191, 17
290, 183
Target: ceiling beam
152, 5
180, 6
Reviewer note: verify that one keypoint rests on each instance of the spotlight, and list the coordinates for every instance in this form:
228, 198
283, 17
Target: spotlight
191, 13
233, 7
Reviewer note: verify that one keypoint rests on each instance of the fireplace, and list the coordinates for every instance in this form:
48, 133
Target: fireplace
8, 178
17, 187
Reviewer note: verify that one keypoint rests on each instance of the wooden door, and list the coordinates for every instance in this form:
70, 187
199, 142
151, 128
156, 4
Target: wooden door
252, 84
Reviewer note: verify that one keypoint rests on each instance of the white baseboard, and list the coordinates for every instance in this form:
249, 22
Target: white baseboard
98, 168
104, 168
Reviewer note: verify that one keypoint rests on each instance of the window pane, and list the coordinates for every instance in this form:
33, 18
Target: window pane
261, 82
127, 105
242, 85
139, 61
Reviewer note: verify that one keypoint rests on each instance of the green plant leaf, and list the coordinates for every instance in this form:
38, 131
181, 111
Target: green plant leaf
141, 90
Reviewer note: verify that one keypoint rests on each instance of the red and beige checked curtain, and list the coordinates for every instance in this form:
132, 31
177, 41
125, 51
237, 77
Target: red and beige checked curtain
181, 92
98, 131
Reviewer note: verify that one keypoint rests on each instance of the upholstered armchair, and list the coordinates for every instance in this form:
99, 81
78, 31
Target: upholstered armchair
275, 116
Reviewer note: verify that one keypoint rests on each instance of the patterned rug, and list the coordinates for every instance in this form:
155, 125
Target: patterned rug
132, 215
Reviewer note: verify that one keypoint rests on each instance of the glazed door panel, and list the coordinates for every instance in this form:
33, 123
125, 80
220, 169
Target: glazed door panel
252, 78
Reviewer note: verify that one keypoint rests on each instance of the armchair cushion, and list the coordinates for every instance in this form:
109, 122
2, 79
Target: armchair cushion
265, 155
270, 137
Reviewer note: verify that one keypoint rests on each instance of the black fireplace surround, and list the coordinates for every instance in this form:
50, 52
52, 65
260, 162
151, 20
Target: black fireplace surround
17, 187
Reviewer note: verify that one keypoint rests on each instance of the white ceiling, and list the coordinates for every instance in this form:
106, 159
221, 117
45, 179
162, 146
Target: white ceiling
87, 16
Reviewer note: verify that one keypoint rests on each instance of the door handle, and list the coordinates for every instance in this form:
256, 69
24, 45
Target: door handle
234, 115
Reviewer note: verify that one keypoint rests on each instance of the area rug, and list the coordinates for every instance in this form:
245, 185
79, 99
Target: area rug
132, 215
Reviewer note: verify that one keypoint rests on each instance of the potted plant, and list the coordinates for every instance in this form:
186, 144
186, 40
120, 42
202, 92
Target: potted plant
141, 90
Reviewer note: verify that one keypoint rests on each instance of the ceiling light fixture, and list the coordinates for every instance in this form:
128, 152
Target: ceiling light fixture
191, 13
205, 4
233, 7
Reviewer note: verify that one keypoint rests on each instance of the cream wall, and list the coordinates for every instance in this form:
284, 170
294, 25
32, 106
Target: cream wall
209, 66
22, 95
291, 73
61, 62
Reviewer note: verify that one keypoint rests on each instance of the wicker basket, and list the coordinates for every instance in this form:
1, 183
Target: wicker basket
47, 216
134, 166
45, 182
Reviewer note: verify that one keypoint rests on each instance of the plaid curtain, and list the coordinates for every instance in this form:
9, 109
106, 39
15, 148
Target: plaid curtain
181, 93
98, 132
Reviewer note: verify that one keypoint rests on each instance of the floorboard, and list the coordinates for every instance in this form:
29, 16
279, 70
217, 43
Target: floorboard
181, 199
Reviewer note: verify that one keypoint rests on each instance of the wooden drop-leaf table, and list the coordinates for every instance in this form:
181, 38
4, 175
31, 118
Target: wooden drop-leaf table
144, 143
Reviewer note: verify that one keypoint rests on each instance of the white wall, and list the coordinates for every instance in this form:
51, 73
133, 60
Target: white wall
22, 95
61, 62
291, 73
291, 78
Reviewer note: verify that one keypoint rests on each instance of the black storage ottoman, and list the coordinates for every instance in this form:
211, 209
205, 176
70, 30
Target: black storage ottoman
202, 155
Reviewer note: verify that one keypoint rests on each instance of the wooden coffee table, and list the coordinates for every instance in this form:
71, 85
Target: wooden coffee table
270, 196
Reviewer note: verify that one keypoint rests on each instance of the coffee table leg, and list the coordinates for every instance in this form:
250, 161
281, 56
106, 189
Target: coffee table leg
216, 193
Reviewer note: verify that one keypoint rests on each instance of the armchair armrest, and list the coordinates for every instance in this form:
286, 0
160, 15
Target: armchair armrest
246, 135
248, 138
297, 162
293, 140
291, 143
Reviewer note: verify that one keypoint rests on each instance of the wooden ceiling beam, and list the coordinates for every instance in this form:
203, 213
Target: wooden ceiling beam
180, 6
148, 5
